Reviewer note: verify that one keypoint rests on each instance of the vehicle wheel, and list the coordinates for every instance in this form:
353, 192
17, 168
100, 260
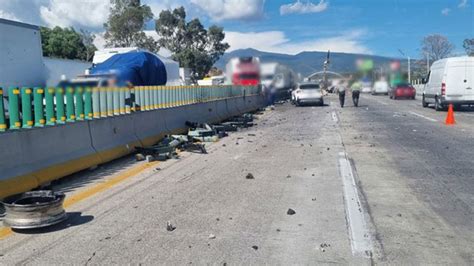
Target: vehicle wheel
423, 102
322, 103
438, 105
297, 103
394, 97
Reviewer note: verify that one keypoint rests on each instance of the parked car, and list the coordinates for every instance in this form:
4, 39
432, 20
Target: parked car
402, 90
307, 93
450, 81
380, 87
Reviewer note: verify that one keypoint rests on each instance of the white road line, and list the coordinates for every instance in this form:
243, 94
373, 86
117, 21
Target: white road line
425, 117
334, 117
361, 241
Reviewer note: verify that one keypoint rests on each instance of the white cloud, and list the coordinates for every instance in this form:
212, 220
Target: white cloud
445, 11
231, 9
65, 13
9, 16
276, 41
99, 42
463, 4
303, 7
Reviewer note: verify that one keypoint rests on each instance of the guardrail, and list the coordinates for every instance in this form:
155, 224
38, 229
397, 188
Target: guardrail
26, 108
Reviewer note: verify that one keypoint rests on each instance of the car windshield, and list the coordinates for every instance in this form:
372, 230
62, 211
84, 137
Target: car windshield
310, 87
248, 76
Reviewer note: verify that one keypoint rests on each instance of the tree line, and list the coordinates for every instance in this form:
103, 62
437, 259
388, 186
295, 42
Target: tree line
189, 42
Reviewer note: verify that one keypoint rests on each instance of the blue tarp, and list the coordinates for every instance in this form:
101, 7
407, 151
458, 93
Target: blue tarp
139, 68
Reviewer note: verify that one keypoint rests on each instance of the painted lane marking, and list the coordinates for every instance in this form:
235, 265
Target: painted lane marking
361, 242
89, 192
334, 117
425, 117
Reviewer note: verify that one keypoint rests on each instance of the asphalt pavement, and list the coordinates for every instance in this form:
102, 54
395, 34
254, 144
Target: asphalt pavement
386, 182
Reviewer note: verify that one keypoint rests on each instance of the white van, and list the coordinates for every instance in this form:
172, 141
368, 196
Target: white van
380, 87
450, 81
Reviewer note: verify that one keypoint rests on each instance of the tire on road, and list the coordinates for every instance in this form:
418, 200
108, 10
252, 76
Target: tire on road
423, 102
438, 105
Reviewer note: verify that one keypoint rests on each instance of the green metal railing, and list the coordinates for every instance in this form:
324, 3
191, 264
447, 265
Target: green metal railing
39, 107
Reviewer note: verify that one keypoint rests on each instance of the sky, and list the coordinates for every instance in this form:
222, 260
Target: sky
378, 27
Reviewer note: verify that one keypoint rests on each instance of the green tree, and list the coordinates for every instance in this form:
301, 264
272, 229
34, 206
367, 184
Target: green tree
126, 24
436, 47
88, 38
468, 45
190, 43
63, 43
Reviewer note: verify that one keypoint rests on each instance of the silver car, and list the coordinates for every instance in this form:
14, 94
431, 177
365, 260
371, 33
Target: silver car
308, 93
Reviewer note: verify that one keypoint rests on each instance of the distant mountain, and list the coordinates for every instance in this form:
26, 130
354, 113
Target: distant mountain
306, 63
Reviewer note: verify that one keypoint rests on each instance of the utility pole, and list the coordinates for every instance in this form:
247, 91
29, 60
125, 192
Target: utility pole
409, 65
326, 66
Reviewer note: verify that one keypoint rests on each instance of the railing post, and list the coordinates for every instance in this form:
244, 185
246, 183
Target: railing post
88, 103
49, 100
128, 95
60, 116
3, 126
26, 107
70, 115
38, 106
14, 108
142, 98
103, 101
122, 100
116, 100
110, 101
147, 98
79, 103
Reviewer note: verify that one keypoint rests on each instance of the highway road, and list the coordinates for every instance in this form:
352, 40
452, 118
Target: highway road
386, 182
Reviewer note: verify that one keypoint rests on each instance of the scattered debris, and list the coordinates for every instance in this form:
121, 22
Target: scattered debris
291, 212
251, 135
399, 215
170, 227
288, 176
328, 148
255, 247
249, 176
313, 199
211, 236
278, 230
150, 158
139, 157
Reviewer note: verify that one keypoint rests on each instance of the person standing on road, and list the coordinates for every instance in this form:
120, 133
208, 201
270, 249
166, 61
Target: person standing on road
341, 90
355, 88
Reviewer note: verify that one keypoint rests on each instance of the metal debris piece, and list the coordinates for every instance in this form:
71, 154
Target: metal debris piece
211, 236
170, 227
255, 247
291, 212
34, 209
202, 132
2, 211
249, 176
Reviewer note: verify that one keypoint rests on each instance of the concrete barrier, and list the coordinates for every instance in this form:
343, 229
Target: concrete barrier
221, 110
149, 127
29, 158
59, 151
175, 119
232, 108
113, 137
